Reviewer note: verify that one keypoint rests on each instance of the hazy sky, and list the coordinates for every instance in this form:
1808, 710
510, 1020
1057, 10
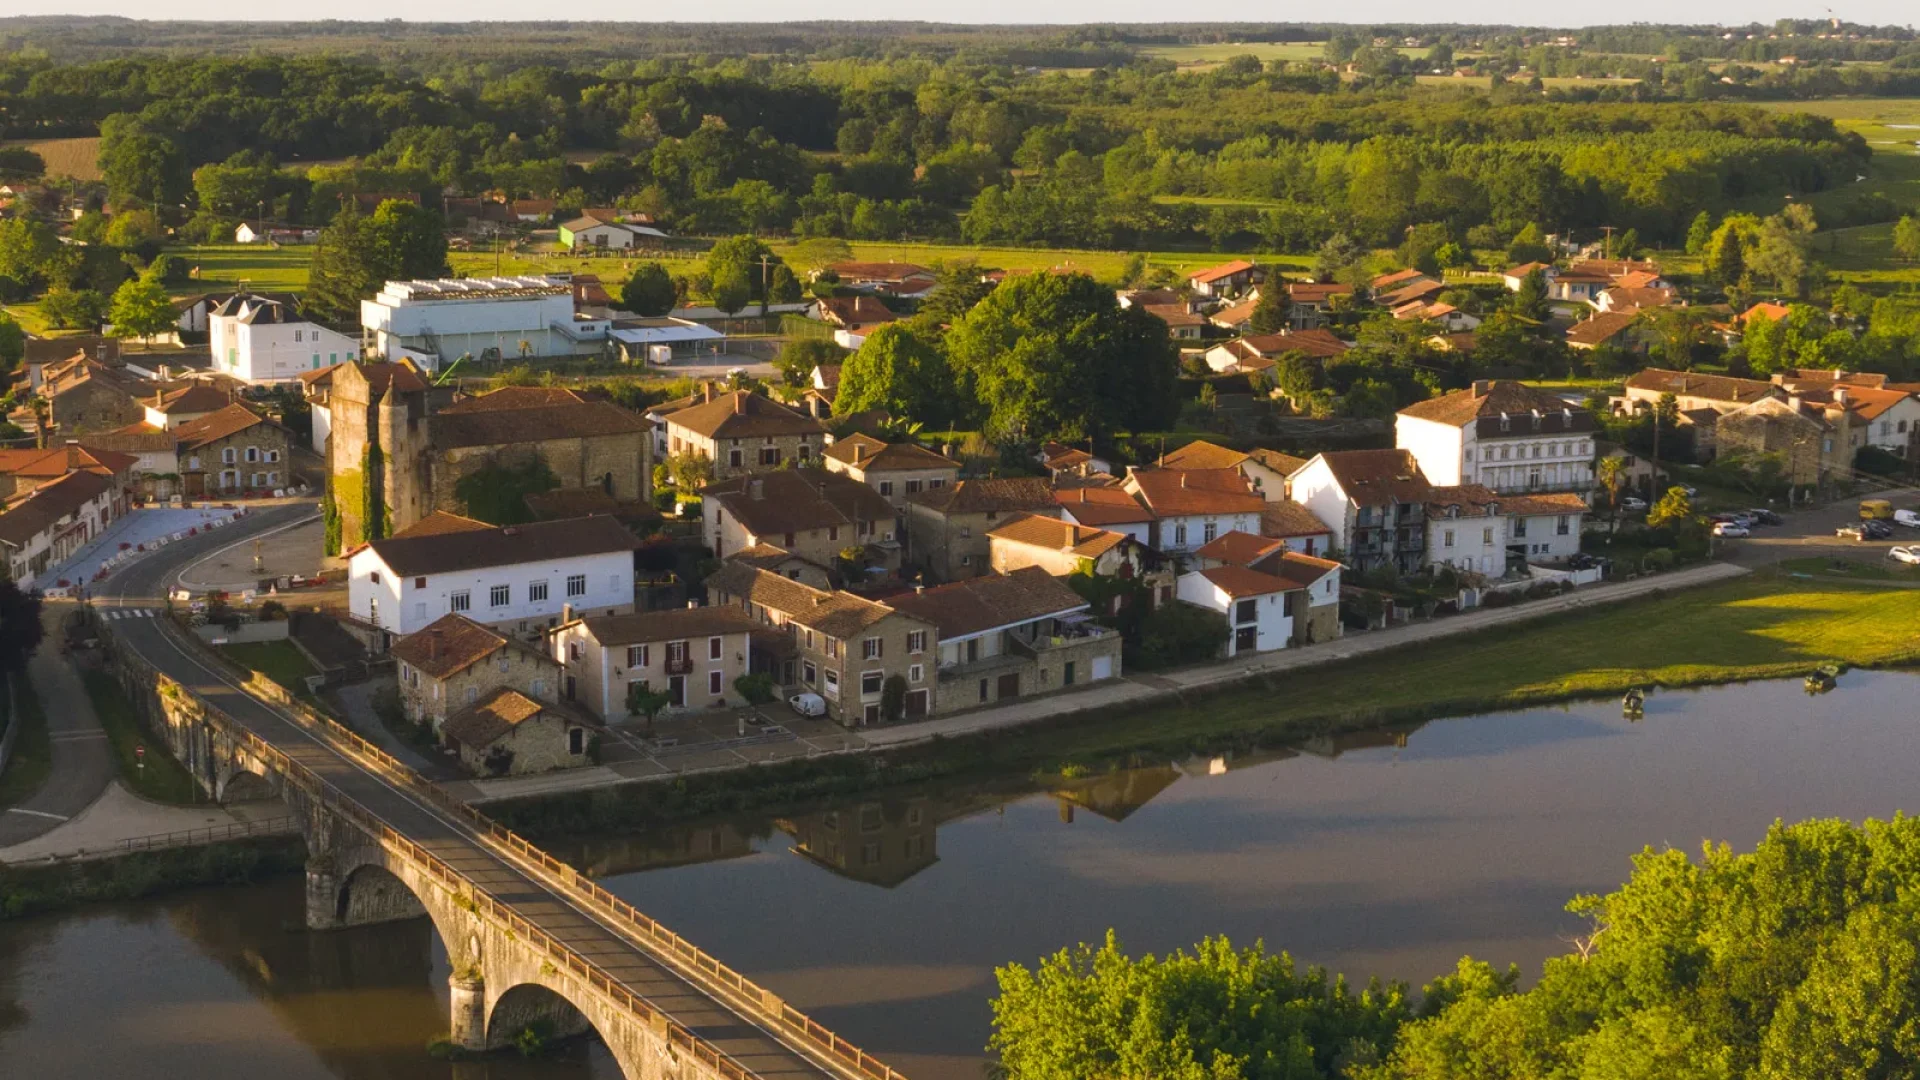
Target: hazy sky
990, 11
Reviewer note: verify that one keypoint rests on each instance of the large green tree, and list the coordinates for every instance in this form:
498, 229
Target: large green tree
141, 166
1273, 312
140, 308
650, 291
1056, 356
356, 254
901, 372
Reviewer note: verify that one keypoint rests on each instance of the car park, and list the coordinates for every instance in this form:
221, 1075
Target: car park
1908, 518
1633, 505
1763, 516
1909, 555
1876, 530
1730, 530
1850, 532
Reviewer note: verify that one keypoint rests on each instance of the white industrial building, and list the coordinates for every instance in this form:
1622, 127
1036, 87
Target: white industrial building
436, 322
258, 339
658, 341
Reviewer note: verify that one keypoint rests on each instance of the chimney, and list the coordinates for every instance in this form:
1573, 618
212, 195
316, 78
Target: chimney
1183, 479
566, 613
1840, 396
739, 401
433, 645
1481, 387
859, 451
756, 489
1083, 494
1795, 401
918, 589
706, 390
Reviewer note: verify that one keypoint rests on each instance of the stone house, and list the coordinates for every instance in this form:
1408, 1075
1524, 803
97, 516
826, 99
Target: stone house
947, 528
742, 432
89, 396
811, 513
507, 733
1064, 548
1006, 636
898, 471
785, 563
1817, 440
454, 662
232, 450
693, 655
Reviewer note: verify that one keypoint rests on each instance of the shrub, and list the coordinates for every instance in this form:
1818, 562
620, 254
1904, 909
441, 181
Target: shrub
757, 688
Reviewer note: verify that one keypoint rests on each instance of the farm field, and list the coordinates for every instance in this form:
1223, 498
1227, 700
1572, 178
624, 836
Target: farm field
226, 266
78, 158
1220, 53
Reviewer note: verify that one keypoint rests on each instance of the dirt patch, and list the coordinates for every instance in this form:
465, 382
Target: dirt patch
78, 158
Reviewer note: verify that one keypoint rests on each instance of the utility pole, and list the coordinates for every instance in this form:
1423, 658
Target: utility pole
1606, 243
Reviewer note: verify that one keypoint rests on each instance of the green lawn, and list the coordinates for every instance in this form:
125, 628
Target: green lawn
226, 266
32, 752
1867, 568
277, 660
1767, 625
154, 775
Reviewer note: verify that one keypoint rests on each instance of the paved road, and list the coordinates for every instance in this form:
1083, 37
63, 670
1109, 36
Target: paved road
1810, 533
450, 839
82, 759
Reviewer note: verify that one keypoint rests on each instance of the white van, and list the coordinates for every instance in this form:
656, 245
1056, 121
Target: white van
1909, 518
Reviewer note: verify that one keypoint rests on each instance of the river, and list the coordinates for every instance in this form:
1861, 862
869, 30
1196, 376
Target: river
885, 920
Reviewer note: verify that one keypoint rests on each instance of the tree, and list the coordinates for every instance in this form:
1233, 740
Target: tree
1674, 508
643, 700
133, 228
1906, 238
1055, 356
820, 252
650, 291
959, 286
1727, 263
13, 342
1087, 1012
1679, 330
746, 259
1337, 255
1530, 299
1627, 244
1610, 473
893, 698
1700, 233
731, 291
1274, 311
141, 309
357, 254
1528, 246
26, 249
898, 371
141, 166
20, 627
800, 356
1782, 254
73, 309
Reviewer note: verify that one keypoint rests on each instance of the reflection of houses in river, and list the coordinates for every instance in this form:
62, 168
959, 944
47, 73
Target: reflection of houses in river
1116, 795
660, 849
1332, 746
881, 843
1228, 761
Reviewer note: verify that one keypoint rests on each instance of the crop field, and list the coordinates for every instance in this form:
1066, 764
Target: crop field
1886, 123
78, 158
1216, 54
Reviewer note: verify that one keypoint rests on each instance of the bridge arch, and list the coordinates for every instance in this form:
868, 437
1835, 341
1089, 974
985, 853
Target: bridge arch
371, 893
246, 785
536, 1008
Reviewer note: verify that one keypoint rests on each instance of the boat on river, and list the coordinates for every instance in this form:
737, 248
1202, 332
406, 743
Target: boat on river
1633, 704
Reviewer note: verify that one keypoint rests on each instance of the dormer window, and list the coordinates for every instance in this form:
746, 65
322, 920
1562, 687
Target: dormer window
1506, 424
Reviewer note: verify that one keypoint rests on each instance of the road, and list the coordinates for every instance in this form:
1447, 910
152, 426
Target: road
1809, 533
144, 584
82, 760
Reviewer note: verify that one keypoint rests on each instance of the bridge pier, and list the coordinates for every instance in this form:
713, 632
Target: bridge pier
469, 993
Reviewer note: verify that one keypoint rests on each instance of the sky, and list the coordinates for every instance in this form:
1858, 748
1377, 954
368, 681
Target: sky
1878, 12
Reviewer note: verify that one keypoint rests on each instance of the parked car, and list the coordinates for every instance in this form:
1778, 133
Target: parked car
1763, 516
1633, 505
1688, 490
1850, 532
1909, 518
1909, 555
808, 704
1730, 530
1876, 530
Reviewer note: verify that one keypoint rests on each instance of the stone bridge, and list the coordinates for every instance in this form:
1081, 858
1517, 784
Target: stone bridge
535, 946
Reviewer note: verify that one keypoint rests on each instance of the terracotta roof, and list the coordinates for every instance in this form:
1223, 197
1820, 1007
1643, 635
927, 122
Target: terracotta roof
1531, 505
1637, 279
45, 505
1693, 384
1314, 292
1870, 379
1769, 311
1238, 581
672, 624
1237, 547
322, 375
1039, 530
1863, 401
855, 311
797, 500
1102, 506
1173, 314
1235, 314
380, 375
1472, 499
1407, 294
1601, 328
974, 606
513, 397
497, 427
1284, 464
61, 460
1178, 492
196, 398
217, 425
1298, 569
767, 556
1491, 400
1526, 268
440, 549
1370, 477
1201, 454
743, 414
134, 438
488, 720
1398, 277
1224, 270
1059, 456
1315, 342
743, 580
440, 523
989, 495
1285, 519
1621, 298
872, 455
447, 646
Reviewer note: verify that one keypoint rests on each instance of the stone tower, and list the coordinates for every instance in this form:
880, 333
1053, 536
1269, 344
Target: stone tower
405, 453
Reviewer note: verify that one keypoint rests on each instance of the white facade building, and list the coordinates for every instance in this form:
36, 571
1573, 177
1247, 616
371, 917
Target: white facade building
1502, 435
436, 322
518, 579
259, 340
1256, 605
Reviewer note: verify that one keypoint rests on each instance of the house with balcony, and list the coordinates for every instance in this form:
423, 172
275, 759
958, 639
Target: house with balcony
1502, 435
1373, 503
1007, 636
693, 655
1272, 596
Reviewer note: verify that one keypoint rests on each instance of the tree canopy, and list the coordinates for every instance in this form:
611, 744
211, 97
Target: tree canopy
897, 370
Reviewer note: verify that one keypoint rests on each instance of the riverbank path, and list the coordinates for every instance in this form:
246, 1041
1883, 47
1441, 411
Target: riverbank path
82, 759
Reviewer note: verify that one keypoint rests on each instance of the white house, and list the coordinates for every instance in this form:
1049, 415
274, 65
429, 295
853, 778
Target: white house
245, 233
435, 322
1516, 276
1373, 503
1503, 435
257, 340
1544, 528
517, 579
57, 519
1257, 606
1191, 507
1466, 529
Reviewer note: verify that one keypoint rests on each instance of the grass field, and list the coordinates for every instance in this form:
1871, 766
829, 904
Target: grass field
1217, 54
277, 660
1766, 625
32, 751
154, 775
225, 266
78, 158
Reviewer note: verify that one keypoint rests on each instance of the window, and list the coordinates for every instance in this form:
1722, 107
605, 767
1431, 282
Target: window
227, 456
808, 673
936, 483
916, 673
1519, 527
870, 649
373, 611
1560, 525
966, 532
536, 590
886, 487
713, 648
374, 577
576, 584
870, 681
735, 459
833, 648
1446, 538
1180, 533
1208, 532
253, 454
769, 455
806, 452
500, 595
575, 650
296, 336
576, 741
830, 682
411, 674
1486, 535
501, 663
713, 683
833, 532
983, 689
637, 656
460, 601
1246, 611
966, 560
913, 487
916, 641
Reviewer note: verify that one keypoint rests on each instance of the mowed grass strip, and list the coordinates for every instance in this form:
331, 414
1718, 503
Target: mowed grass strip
162, 779
1758, 627
277, 660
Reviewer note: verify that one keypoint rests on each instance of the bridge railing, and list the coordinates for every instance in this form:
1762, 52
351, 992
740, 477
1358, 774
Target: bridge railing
790, 1020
